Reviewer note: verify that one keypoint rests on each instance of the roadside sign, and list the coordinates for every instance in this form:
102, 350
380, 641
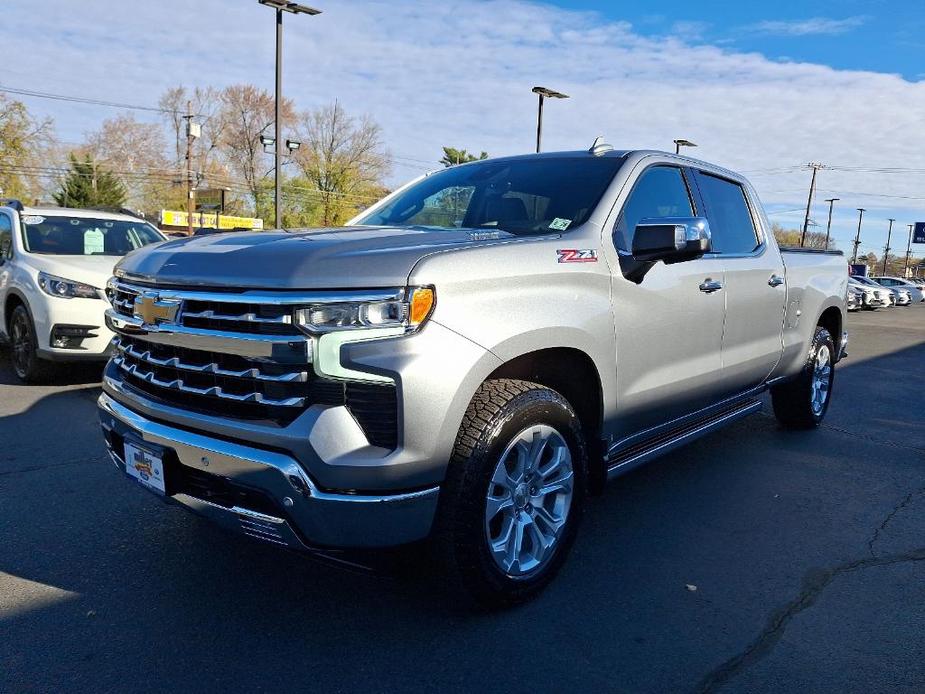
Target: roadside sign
857, 270
918, 233
176, 218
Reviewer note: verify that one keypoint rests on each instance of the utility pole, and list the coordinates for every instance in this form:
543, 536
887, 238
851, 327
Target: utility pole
189, 168
857, 238
828, 227
908, 252
812, 189
886, 250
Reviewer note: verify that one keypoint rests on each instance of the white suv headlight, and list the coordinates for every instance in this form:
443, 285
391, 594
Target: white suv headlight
67, 289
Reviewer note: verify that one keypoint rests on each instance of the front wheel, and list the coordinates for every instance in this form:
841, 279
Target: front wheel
803, 402
514, 491
24, 349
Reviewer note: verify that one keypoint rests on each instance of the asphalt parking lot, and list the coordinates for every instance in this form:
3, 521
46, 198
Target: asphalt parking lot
753, 560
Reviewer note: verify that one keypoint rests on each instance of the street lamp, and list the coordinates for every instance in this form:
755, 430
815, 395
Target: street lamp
293, 145
678, 144
544, 93
828, 227
857, 238
293, 8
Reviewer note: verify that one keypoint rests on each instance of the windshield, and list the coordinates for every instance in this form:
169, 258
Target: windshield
61, 235
864, 280
521, 196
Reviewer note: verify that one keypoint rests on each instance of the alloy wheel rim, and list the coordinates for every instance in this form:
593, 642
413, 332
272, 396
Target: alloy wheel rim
21, 346
822, 380
528, 500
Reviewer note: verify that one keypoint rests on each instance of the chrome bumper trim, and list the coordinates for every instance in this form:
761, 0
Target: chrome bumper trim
335, 519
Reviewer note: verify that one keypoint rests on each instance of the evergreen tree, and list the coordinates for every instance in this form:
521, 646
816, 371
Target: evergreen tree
89, 185
453, 156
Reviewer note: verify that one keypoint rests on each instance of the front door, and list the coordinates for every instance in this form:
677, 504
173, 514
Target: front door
669, 326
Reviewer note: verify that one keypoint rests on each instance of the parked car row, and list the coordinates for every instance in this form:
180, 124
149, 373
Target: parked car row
871, 293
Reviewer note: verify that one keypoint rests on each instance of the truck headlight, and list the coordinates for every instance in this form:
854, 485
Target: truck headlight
410, 312
66, 289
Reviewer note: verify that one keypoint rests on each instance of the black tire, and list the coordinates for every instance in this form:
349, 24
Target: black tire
500, 411
794, 401
27, 365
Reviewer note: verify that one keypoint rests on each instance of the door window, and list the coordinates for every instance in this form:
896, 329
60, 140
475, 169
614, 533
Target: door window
727, 209
6, 238
660, 192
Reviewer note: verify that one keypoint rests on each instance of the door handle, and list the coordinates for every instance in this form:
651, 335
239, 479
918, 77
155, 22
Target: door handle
709, 286
775, 281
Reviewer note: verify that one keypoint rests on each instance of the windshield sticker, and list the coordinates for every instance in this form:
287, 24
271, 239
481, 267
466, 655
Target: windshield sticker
33, 219
484, 235
94, 242
560, 224
577, 255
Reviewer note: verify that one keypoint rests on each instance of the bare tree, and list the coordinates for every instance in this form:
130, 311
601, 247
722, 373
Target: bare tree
247, 113
343, 158
134, 152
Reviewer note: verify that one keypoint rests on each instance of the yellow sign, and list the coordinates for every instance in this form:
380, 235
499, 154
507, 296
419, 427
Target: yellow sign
176, 218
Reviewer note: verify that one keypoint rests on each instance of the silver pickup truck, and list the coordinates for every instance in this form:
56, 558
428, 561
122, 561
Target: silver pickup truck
468, 359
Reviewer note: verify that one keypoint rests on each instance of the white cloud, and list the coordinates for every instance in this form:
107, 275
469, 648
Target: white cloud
460, 74
805, 27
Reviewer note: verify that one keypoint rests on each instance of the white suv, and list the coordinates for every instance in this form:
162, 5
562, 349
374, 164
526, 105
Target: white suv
54, 265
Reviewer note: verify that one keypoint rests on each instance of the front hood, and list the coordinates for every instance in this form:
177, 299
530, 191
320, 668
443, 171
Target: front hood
348, 257
94, 270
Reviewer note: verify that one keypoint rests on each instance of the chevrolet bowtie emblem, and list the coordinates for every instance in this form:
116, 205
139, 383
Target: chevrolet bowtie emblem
152, 309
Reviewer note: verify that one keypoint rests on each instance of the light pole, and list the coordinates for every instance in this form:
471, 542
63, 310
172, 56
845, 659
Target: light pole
678, 144
828, 227
857, 238
908, 252
281, 6
544, 93
886, 250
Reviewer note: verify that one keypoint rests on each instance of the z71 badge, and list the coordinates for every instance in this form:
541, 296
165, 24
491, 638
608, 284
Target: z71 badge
577, 255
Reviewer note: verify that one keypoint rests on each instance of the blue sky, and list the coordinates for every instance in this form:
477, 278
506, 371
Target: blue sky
762, 88
878, 35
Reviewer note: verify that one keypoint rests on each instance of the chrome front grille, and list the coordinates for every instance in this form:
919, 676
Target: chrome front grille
234, 355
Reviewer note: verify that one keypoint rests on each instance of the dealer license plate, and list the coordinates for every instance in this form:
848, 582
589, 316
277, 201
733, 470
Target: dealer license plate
145, 466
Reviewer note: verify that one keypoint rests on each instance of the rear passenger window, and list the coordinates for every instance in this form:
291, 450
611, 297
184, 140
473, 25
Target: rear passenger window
6, 237
730, 219
659, 192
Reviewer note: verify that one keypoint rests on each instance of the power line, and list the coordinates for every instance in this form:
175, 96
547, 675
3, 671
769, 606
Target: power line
83, 100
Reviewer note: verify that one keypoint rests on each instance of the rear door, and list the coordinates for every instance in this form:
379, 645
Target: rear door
756, 289
669, 326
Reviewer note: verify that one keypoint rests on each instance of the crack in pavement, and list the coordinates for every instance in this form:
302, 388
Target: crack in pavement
865, 437
889, 518
814, 583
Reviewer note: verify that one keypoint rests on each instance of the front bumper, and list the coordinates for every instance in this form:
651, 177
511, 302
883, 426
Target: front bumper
266, 494
49, 312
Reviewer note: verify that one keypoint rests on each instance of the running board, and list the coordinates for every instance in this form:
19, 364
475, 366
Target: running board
622, 461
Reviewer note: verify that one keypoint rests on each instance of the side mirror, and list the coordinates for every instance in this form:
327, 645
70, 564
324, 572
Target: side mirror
671, 239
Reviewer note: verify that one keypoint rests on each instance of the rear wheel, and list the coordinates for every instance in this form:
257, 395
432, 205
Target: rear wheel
514, 492
803, 402
27, 365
